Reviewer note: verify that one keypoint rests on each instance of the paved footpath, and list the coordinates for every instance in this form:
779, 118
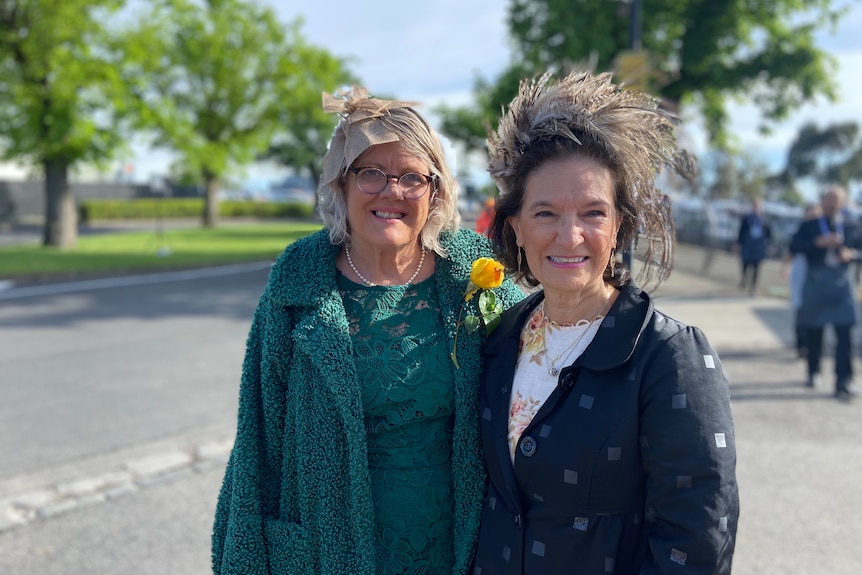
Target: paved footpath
799, 451
799, 454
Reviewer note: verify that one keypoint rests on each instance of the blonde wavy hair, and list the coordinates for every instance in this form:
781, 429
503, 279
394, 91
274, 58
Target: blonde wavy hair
367, 122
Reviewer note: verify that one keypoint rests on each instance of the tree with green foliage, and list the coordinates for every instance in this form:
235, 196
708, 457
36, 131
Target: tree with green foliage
701, 53
778, 188
210, 79
725, 181
736, 176
58, 97
471, 125
304, 129
827, 156
851, 169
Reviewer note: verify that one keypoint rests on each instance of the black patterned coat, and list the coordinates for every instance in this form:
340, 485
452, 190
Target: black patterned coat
629, 466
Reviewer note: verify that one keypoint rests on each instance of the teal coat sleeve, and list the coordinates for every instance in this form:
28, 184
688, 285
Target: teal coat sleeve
296, 495
296, 498
244, 500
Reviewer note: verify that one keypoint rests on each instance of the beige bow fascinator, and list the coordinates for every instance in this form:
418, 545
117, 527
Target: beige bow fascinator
357, 131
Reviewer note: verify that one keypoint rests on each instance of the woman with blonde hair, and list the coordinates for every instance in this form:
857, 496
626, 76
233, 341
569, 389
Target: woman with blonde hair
357, 445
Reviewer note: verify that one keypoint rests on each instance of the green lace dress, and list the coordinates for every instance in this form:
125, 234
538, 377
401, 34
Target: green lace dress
408, 397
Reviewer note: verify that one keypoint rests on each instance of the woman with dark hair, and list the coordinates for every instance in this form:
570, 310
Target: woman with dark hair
606, 424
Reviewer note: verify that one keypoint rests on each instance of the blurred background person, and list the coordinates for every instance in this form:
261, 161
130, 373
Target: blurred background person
752, 244
486, 216
357, 446
629, 253
710, 237
793, 268
606, 425
830, 243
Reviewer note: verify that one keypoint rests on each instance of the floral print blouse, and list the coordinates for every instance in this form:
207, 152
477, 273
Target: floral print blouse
544, 346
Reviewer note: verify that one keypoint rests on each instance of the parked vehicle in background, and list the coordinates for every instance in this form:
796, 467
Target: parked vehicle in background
469, 199
704, 222
716, 223
785, 221
292, 189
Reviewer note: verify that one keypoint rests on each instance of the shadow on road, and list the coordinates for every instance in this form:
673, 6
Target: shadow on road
228, 296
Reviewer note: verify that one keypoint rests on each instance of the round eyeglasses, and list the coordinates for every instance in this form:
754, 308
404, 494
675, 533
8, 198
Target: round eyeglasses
373, 181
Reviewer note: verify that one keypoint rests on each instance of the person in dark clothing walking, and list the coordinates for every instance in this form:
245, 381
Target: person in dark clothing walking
830, 243
794, 268
752, 245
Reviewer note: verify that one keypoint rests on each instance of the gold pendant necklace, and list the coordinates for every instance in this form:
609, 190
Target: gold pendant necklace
553, 371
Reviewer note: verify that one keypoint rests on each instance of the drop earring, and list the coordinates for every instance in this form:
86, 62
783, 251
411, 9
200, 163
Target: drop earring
519, 260
612, 260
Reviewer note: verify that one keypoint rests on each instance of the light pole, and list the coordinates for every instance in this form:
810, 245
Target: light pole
635, 26
635, 45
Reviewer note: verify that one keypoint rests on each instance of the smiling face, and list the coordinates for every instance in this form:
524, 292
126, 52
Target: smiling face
387, 220
568, 225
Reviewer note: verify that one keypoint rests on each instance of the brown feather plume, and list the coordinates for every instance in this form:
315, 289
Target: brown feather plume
633, 131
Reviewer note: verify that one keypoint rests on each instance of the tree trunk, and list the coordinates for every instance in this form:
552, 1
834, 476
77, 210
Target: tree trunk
315, 182
61, 216
211, 200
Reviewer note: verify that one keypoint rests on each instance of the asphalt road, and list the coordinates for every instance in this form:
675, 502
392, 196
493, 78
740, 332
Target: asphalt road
96, 371
117, 406
164, 528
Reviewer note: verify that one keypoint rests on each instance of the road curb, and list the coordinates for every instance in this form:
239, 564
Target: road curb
43, 502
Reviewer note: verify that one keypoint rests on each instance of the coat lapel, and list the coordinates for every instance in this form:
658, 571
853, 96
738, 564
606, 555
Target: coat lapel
613, 345
501, 355
321, 330
620, 331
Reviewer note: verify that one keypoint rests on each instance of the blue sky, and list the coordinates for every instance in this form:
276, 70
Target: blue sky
432, 52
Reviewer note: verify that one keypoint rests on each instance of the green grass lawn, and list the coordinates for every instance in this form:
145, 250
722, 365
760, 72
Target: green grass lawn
142, 251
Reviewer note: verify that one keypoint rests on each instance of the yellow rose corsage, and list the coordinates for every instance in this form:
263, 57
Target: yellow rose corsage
486, 274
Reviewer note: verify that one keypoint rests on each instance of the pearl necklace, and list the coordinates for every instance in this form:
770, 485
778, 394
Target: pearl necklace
553, 370
368, 283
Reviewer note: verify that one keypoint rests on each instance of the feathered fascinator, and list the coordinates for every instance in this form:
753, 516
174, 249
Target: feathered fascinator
356, 131
629, 127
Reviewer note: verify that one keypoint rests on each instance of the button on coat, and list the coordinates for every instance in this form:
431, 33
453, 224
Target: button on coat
636, 471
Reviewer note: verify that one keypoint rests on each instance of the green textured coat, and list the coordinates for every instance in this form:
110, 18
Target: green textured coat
296, 497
